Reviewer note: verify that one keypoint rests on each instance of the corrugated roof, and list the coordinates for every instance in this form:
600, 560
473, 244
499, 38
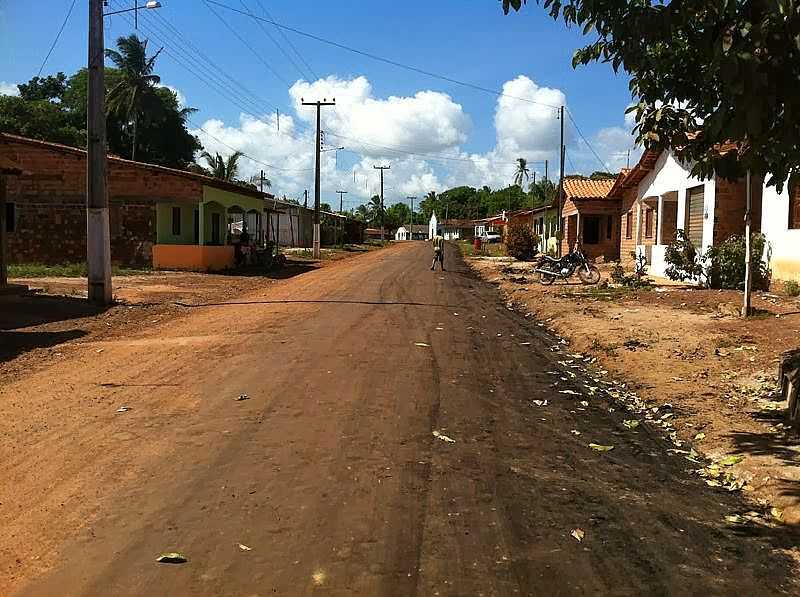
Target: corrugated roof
582, 188
208, 180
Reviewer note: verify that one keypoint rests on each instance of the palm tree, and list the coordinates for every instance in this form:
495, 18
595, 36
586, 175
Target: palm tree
375, 210
222, 168
257, 180
133, 96
522, 173
362, 213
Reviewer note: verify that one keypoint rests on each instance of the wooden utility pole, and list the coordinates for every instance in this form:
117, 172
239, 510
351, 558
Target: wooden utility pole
546, 165
559, 224
382, 168
98, 241
319, 105
411, 230
748, 251
339, 221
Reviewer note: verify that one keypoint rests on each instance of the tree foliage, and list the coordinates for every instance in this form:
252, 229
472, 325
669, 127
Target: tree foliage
703, 73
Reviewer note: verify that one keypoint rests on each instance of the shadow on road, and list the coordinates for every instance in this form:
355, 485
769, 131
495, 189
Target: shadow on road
26, 311
13, 344
322, 302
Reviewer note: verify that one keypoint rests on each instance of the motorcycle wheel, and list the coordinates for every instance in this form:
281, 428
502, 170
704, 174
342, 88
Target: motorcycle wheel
590, 277
546, 279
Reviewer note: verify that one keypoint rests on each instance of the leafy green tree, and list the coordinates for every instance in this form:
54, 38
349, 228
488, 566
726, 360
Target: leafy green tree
398, 215
704, 73
601, 175
375, 211
134, 96
226, 169
39, 119
544, 192
48, 88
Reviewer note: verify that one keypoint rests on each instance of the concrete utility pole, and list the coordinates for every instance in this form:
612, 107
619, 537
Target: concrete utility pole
98, 240
382, 168
748, 251
319, 105
411, 230
561, 183
339, 221
546, 164
305, 198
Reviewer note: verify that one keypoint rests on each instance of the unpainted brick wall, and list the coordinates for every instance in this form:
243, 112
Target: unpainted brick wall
50, 204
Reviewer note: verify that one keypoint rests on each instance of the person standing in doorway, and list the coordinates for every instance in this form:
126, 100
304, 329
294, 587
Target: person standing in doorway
438, 251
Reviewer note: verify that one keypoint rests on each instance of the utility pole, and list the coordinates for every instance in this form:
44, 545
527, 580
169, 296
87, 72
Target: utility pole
382, 168
561, 182
262, 181
341, 201
319, 105
98, 240
533, 186
305, 200
546, 164
748, 251
411, 230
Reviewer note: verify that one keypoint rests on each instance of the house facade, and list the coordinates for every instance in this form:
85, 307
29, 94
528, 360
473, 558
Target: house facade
409, 232
158, 216
589, 215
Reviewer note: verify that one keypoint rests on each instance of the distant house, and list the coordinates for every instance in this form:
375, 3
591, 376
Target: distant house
408, 232
161, 217
433, 226
589, 214
375, 234
457, 229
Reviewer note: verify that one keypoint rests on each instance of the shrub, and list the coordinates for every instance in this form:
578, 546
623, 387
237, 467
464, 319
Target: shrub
791, 288
684, 261
726, 263
638, 279
521, 242
618, 273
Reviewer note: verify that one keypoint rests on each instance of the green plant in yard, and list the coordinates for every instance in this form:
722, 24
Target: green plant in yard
726, 263
638, 279
791, 288
65, 270
521, 242
684, 261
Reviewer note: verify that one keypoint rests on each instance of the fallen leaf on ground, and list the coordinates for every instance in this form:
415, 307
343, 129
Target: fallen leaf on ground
601, 448
172, 557
123, 409
245, 548
776, 513
444, 438
584, 403
540, 402
578, 534
422, 344
630, 423
570, 392
700, 436
730, 460
575, 432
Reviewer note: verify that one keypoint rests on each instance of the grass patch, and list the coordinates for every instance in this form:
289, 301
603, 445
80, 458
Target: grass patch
65, 270
486, 250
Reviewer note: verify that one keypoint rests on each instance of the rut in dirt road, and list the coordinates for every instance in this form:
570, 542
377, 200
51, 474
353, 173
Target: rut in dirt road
331, 473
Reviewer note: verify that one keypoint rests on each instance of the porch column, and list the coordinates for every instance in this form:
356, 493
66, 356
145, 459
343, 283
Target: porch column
638, 236
660, 220
201, 224
578, 231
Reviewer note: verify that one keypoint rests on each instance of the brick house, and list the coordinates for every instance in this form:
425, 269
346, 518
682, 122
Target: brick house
158, 216
590, 214
659, 196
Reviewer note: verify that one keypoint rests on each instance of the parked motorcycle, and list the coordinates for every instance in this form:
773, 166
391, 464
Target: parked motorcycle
550, 268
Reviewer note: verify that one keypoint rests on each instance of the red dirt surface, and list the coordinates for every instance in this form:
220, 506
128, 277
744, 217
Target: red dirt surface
331, 473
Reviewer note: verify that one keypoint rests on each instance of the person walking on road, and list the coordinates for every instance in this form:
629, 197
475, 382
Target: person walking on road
438, 252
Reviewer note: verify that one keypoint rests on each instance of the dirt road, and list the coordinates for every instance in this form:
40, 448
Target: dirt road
330, 472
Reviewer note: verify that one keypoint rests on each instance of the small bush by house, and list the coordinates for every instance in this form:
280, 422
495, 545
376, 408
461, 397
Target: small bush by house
521, 242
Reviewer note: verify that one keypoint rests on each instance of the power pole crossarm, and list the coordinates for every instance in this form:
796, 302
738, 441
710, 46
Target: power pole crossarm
319, 105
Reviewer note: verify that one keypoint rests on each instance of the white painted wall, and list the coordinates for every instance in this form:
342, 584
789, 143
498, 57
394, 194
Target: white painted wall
433, 226
785, 243
401, 234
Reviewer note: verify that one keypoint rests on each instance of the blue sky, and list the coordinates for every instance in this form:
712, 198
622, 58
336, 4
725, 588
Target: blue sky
469, 40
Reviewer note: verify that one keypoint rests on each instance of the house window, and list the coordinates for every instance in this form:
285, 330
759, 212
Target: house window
629, 225
794, 208
609, 227
11, 217
591, 230
648, 223
176, 221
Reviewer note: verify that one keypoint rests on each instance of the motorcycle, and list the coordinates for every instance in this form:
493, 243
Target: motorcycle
550, 268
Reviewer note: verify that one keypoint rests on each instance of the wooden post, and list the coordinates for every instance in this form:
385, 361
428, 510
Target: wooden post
3, 265
748, 251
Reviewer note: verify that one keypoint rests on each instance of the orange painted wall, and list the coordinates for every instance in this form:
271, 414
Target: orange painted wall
192, 257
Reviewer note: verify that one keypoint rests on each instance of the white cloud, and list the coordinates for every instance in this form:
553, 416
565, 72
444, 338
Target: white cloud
8, 88
427, 122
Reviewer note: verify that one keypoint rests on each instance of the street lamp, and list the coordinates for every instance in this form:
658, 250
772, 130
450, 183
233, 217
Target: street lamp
148, 5
336, 158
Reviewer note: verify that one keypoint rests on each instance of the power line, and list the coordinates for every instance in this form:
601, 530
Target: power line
275, 41
288, 41
241, 39
55, 41
589, 145
381, 58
